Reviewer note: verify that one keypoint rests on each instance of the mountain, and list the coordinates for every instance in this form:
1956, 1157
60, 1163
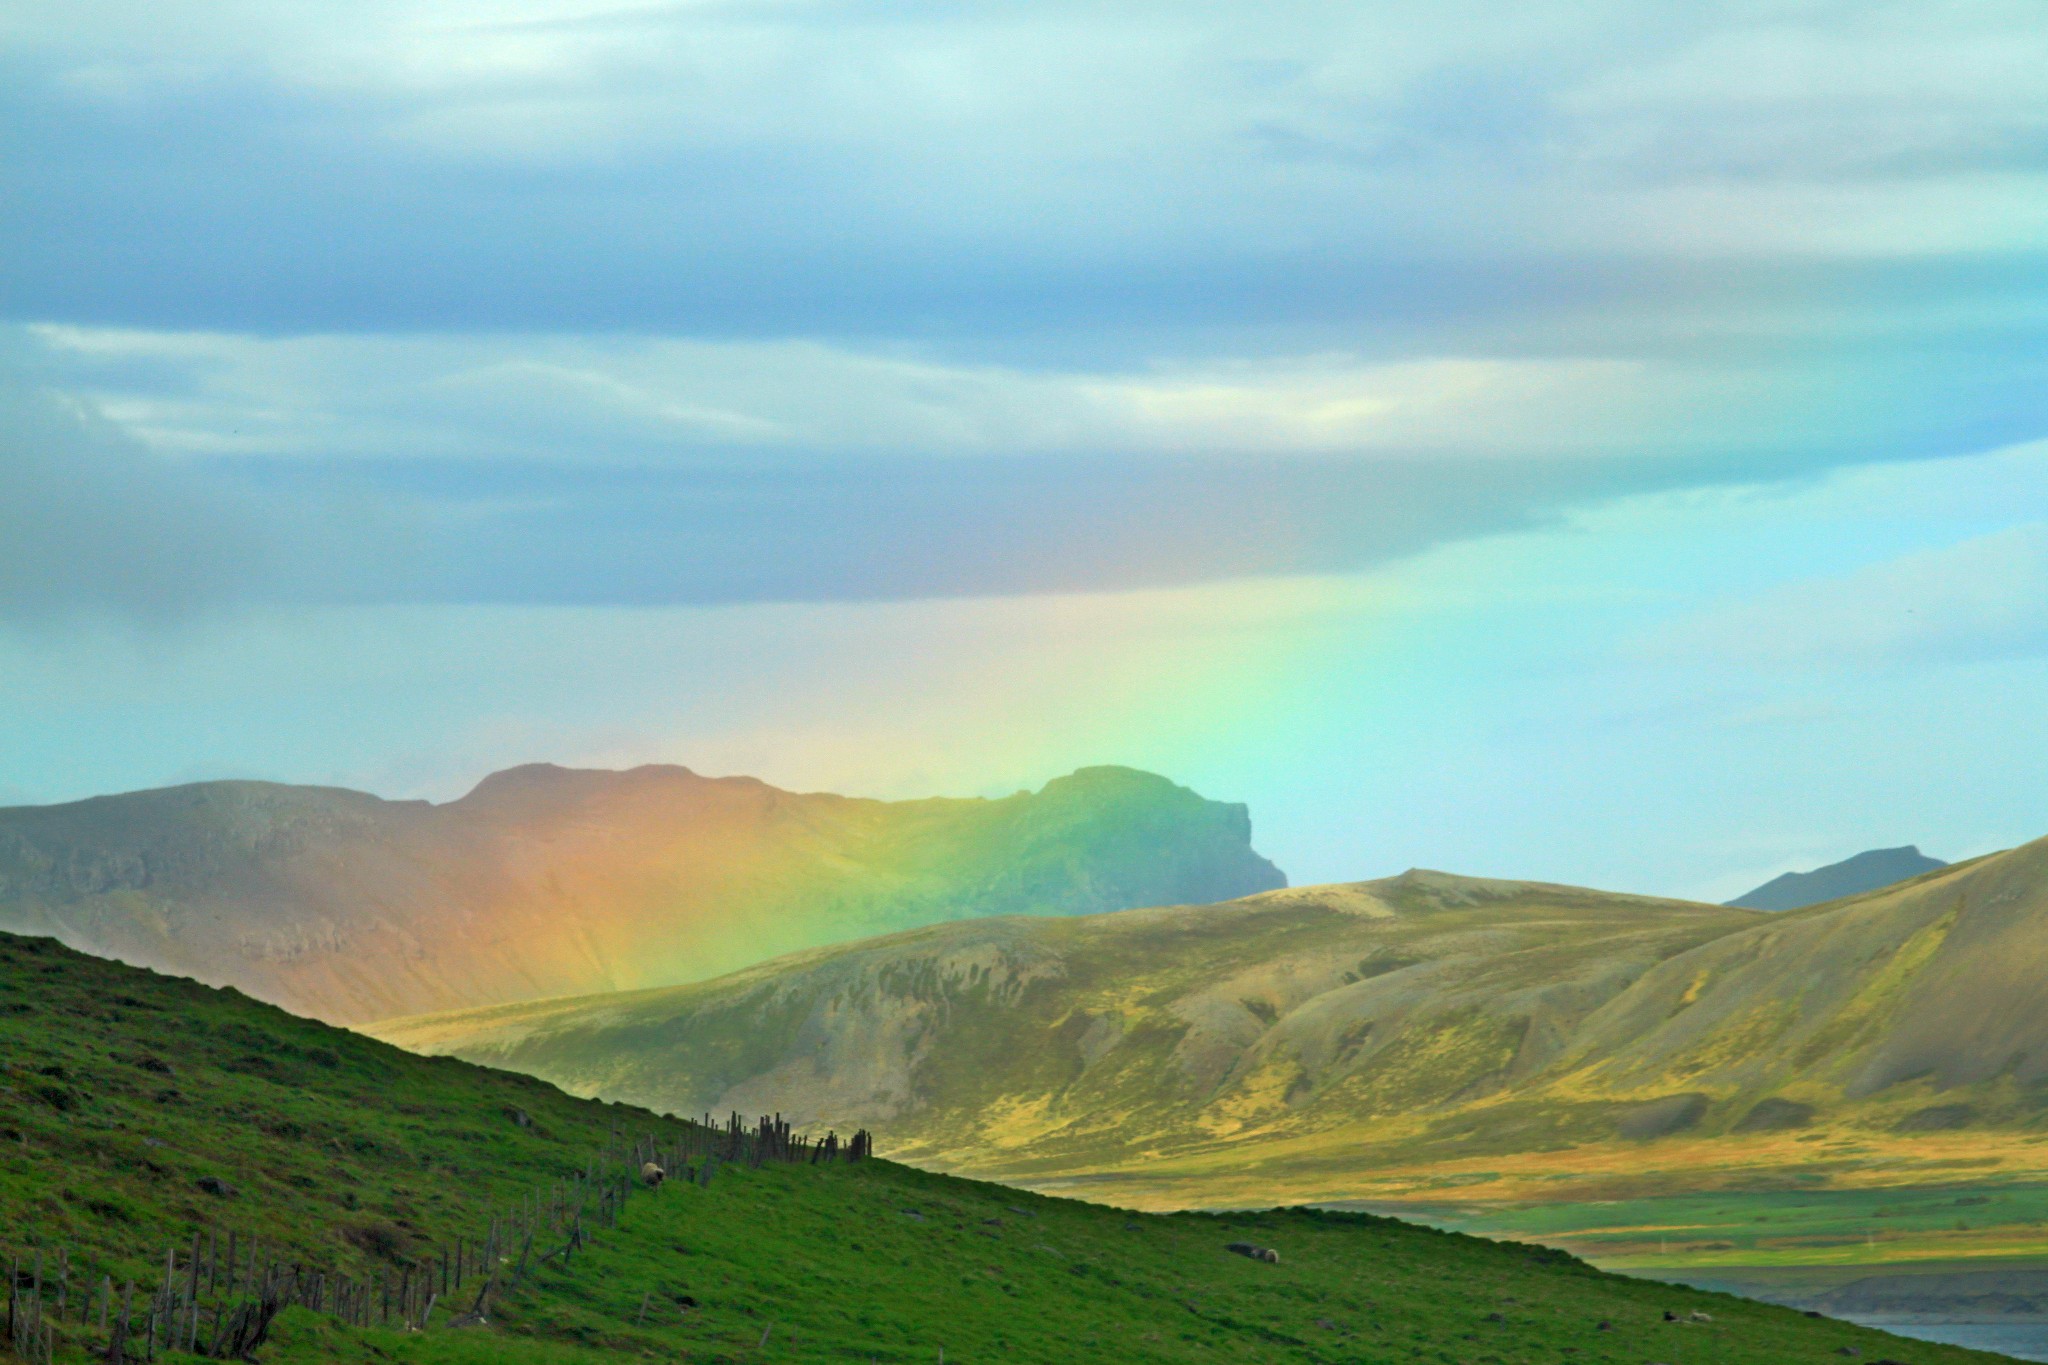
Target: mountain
149, 1119
1392, 1039
1035, 1049
551, 881
1851, 877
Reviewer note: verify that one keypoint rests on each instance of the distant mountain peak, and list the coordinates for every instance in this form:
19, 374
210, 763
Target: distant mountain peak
1867, 871
1112, 774
544, 776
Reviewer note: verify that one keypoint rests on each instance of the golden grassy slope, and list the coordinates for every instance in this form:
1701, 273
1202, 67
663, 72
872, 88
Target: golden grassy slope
1387, 1039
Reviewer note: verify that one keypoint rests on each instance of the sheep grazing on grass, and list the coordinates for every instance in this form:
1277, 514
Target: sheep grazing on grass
1257, 1253
652, 1175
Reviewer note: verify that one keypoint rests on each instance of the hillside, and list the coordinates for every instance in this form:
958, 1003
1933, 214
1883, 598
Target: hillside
146, 1116
1362, 1015
1422, 1038
1870, 871
549, 881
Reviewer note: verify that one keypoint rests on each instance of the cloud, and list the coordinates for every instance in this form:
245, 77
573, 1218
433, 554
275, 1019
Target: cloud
900, 528
635, 469
92, 523
614, 400
570, 300
151, 474
553, 468
892, 170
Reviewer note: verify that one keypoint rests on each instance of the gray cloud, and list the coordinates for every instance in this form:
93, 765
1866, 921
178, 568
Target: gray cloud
881, 528
92, 523
1066, 295
891, 170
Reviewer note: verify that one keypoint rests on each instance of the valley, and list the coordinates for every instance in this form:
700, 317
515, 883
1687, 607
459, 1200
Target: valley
1591, 1069
149, 1122
1786, 1104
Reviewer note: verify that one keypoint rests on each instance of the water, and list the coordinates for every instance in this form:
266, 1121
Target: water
2021, 1340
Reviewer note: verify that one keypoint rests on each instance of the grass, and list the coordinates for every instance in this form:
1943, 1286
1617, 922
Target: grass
880, 1262
1877, 1202
1869, 1228
1426, 1041
121, 1090
343, 1152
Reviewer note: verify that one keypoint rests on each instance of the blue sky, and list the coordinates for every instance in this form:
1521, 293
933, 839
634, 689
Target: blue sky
1597, 442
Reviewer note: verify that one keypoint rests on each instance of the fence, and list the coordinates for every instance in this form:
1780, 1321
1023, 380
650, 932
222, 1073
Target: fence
219, 1300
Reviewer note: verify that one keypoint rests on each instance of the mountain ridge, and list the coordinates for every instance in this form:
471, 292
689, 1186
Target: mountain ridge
544, 881
1870, 870
1376, 1037
1246, 978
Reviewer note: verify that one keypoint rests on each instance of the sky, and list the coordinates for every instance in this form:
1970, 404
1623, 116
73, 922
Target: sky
1603, 443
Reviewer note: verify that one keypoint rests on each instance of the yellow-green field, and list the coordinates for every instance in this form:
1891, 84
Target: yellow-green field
1818, 1199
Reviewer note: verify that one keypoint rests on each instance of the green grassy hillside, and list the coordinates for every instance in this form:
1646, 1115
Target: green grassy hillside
121, 1091
1465, 1045
548, 881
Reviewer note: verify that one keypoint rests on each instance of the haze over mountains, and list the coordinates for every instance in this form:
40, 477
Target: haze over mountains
1850, 877
1299, 1041
549, 881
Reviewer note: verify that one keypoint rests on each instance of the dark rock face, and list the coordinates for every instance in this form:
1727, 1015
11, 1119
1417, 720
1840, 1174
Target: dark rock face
1671, 1114
551, 881
1775, 1116
1880, 867
1939, 1118
1106, 838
